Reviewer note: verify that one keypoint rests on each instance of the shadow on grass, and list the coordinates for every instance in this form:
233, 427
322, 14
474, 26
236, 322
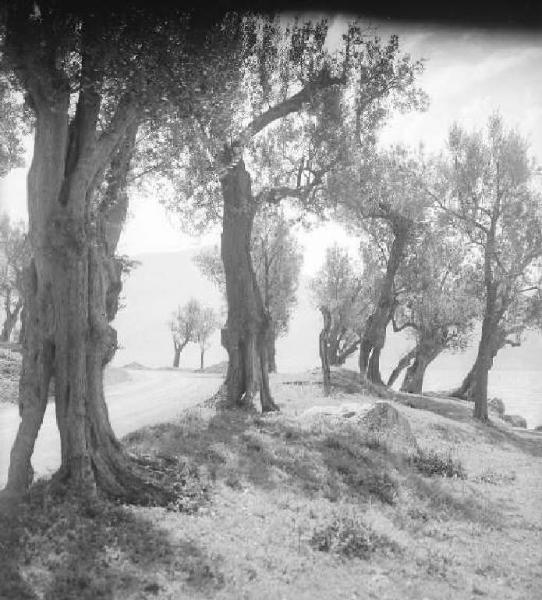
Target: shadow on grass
328, 460
92, 551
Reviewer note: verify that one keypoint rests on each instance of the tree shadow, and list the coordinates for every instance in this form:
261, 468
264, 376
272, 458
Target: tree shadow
93, 550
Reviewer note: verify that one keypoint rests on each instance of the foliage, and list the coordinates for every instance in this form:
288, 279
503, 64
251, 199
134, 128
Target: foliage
439, 290
343, 288
14, 124
192, 323
431, 463
14, 255
293, 113
351, 537
276, 258
206, 324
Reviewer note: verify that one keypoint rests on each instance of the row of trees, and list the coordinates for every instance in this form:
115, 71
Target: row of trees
448, 241
225, 114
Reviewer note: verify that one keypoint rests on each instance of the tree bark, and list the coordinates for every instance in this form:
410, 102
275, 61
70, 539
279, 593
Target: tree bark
404, 362
324, 349
11, 318
426, 353
71, 296
374, 335
201, 358
246, 331
271, 351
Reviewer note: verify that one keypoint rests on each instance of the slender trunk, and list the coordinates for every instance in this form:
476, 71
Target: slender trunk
374, 335
246, 331
176, 356
201, 358
10, 320
484, 362
404, 362
324, 350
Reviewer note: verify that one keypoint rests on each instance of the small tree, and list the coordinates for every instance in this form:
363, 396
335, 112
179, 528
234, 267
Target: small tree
343, 297
13, 258
183, 326
205, 327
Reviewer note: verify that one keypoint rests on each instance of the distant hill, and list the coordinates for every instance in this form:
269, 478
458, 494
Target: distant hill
164, 280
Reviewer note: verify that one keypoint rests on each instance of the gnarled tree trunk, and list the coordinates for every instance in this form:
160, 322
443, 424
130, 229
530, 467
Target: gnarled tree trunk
246, 331
71, 296
425, 353
404, 362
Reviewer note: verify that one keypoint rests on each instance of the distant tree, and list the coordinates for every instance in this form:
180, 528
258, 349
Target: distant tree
14, 124
485, 187
183, 325
341, 290
276, 259
206, 324
14, 257
438, 304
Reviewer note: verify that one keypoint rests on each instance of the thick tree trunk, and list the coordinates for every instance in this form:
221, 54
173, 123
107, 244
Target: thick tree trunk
323, 346
484, 362
72, 291
426, 353
246, 331
373, 368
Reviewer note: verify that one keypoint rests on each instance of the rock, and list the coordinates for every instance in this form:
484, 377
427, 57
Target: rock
379, 422
496, 405
516, 421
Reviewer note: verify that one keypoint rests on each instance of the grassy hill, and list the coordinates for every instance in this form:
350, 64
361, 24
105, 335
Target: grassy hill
277, 506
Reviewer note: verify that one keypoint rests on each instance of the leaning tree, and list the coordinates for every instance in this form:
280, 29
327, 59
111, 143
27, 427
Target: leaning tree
92, 75
484, 184
380, 199
438, 304
301, 101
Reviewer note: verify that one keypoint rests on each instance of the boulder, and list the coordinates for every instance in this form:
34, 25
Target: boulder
496, 405
516, 421
379, 423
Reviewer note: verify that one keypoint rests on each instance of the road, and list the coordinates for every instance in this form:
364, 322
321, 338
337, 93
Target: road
148, 397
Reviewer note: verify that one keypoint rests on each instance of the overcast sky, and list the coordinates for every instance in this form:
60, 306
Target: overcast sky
468, 75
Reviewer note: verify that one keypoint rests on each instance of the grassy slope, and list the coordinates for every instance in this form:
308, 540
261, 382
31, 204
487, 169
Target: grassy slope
290, 508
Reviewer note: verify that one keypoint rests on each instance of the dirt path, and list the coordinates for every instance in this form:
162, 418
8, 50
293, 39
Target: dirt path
148, 397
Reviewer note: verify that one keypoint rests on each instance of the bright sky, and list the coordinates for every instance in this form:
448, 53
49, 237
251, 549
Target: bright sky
468, 75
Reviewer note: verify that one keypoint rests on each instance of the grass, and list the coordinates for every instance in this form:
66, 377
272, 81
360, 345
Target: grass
280, 506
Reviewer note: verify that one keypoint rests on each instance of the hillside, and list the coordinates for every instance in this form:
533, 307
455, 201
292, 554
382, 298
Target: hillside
284, 506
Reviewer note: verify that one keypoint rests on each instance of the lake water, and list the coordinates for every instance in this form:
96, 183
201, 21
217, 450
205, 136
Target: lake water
521, 391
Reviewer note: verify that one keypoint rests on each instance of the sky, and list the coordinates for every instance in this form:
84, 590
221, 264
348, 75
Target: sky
468, 75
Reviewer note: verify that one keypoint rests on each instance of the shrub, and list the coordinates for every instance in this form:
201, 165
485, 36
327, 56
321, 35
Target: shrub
351, 537
496, 405
431, 463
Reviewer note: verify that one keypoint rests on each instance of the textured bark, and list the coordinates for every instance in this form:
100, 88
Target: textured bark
425, 353
374, 335
246, 331
271, 351
403, 363
324, 349
71, 296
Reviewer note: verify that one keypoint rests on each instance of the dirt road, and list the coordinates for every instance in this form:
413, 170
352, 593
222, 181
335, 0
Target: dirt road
148, 397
